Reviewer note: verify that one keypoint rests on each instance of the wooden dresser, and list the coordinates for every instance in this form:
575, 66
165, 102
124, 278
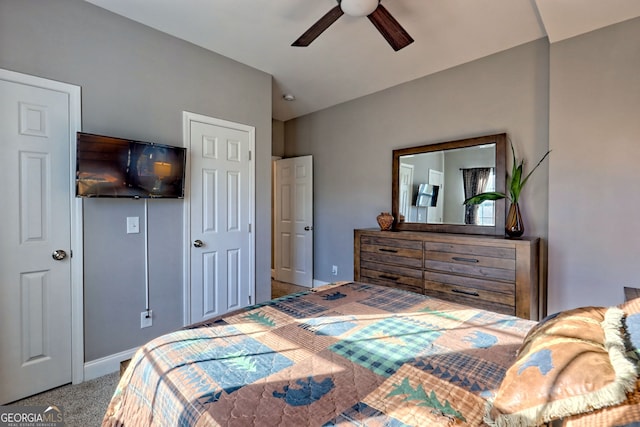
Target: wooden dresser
492, 273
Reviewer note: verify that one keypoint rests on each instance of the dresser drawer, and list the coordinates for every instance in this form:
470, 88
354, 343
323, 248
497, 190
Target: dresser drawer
496, 263
391, 251
470, 288
391, 275
471, 301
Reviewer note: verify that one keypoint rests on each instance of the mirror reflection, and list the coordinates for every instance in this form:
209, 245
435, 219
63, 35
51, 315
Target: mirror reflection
434, 185
428, 193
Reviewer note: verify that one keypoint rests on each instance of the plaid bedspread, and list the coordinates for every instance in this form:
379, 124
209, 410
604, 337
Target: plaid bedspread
348, 354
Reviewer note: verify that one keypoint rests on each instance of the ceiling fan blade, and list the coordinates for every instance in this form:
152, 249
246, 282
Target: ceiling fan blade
390, 29
316, 29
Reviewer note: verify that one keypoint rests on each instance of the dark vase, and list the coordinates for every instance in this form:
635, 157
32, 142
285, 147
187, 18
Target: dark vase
514, 226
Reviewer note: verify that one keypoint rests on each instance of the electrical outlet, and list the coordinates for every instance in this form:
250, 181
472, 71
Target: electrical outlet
146, 319
334, 270
133, 224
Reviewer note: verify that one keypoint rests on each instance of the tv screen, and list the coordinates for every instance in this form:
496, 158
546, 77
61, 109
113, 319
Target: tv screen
427, 195
117, 167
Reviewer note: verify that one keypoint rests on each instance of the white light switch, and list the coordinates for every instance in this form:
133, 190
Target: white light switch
133, 224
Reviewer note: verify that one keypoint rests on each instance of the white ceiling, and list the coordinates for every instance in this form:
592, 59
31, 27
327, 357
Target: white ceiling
351, 59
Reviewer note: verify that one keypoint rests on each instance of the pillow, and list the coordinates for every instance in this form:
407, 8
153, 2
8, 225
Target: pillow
570, 363
631, 309
627, 412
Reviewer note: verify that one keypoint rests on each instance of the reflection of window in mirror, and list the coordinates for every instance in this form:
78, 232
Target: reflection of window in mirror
486, 209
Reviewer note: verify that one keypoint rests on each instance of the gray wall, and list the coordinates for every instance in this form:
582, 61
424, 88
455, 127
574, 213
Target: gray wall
593, 197
277, 138
135, 84
352, 143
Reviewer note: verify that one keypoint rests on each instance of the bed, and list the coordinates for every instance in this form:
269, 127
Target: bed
355, 354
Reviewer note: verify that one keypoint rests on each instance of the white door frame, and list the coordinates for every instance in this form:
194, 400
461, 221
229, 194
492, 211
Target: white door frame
77, 249
187, 118
406, 170
273, 215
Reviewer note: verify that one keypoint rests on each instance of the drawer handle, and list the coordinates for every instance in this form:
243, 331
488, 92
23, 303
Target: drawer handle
384, 276
473, 260
393, 251
458, 291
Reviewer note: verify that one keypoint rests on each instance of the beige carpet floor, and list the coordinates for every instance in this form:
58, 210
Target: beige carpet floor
83, 405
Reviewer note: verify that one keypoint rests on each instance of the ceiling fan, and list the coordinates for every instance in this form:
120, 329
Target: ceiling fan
379, 16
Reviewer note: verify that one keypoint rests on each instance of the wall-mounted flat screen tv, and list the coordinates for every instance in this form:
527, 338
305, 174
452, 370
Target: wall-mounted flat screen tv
427, 195
117, 167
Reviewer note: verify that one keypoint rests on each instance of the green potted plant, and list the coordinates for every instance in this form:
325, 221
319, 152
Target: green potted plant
515, 183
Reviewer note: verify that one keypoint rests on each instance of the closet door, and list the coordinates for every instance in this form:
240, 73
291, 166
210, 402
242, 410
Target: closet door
221, 215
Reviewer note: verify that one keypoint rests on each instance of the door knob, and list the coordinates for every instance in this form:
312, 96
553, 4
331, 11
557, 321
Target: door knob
307, 228
59, 255
198, 243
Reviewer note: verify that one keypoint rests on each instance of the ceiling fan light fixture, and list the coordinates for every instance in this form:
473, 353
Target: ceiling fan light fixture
387, 26
358, 7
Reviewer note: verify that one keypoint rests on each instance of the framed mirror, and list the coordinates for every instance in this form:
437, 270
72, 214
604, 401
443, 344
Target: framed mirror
431, 182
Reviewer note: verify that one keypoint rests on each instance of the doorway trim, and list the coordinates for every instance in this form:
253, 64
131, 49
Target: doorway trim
273, 215
187, 118
77, 249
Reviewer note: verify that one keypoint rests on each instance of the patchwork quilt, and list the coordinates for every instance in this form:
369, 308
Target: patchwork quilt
341, 355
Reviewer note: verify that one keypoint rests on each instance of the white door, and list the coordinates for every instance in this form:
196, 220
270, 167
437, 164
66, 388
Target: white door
221, 216
406, 191
294, 220
35, 288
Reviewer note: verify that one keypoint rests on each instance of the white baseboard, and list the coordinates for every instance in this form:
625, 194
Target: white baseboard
106, 365
109, 364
